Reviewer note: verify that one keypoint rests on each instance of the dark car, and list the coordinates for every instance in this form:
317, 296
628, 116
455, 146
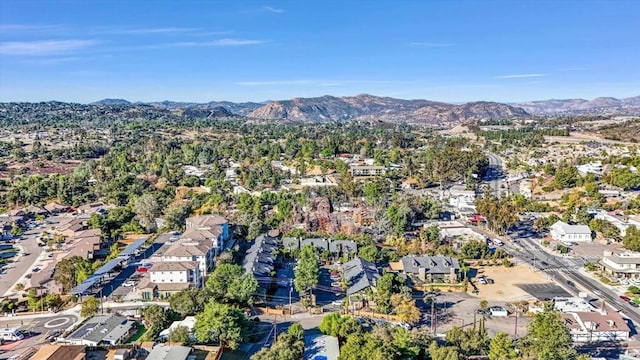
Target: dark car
625, 298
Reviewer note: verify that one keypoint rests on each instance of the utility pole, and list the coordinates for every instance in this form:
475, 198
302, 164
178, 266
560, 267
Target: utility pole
515, 332
290, 291
275, 329
433, 315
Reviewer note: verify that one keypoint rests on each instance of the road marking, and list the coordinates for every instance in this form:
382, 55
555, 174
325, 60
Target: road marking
54, 323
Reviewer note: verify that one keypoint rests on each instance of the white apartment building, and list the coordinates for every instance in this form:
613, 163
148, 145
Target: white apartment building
183, 272
185, 250
622, 265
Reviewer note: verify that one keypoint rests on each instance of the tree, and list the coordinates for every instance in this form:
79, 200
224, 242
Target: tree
547, 338
229, 283
221, 323
175, 215
444, 352
502, 348
157, 319
90, 306
405, 307
307, 272
180, 335
382, 295
289, 346
188, 302
33, 300
147, 209
53, 302
631, 239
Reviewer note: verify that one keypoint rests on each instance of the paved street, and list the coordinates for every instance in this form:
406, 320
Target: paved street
40, 329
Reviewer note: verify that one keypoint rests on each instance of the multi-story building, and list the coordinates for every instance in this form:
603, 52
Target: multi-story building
623, 265
186, 250
182, 272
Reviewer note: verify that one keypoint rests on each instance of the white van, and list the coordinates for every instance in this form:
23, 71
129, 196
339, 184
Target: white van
11, 334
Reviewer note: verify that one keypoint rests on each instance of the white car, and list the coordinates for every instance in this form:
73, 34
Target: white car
482, 281
597, 292
337, 302
129, 284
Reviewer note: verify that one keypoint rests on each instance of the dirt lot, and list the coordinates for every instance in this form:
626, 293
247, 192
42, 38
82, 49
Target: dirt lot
506, 279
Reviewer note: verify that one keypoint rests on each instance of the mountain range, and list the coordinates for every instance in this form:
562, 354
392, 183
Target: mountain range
366, 107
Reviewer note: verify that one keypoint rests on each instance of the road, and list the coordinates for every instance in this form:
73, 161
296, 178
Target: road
494, 174
40, 328
565, 270
22, 264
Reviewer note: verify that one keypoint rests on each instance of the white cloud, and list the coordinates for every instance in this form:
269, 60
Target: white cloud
43, 47
273, 10
221, 42
519, 76
145, 31
51, 61
24, 28
430, 44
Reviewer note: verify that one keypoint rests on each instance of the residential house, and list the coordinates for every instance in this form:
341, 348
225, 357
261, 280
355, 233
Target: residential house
367, 170
88, 244
360, 275
561, 231
55, 208
622, 265
460, 197
99, 208
595, 326
620, 221
432, 269
60, 352
69, 226
409, 183
170, 352
362, 216
176, 272
102, 330
590, 168
335, 247
188, 323
259, 259
190, 250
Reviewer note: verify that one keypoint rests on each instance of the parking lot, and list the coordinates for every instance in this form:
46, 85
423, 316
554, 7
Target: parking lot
507, 282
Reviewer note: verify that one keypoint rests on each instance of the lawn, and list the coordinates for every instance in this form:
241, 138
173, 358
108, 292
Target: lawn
140, 330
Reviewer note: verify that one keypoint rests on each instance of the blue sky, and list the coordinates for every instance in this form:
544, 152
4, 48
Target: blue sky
144, 50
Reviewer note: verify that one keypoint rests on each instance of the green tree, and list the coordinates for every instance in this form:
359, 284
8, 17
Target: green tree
221, 323
53, 302
147, 209
229, 283
289, 346
382, 295
157, 318
180, 335
631, 239
307, 273
90, 306
502, 347
405, 308
188, 302
547, 338
444, 352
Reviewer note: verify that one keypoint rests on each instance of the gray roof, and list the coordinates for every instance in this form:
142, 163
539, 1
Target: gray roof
571, 229
258, 259
343, 245
169, 352
360, 273
438, 264
101, 327
317, 242
291, 243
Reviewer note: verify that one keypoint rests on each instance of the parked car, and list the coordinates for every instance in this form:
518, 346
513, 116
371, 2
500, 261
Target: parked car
129, 284
482, 281
337, 302
625, 298
283, 283
35, 269
336, 284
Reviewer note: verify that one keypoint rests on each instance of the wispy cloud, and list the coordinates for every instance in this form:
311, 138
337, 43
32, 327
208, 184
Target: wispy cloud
220, 42
519, 76
43, 47
145, 31
51, 61
28, 28
273, 10
430, 45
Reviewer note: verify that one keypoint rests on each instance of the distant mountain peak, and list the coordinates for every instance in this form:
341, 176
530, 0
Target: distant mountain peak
111, 102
